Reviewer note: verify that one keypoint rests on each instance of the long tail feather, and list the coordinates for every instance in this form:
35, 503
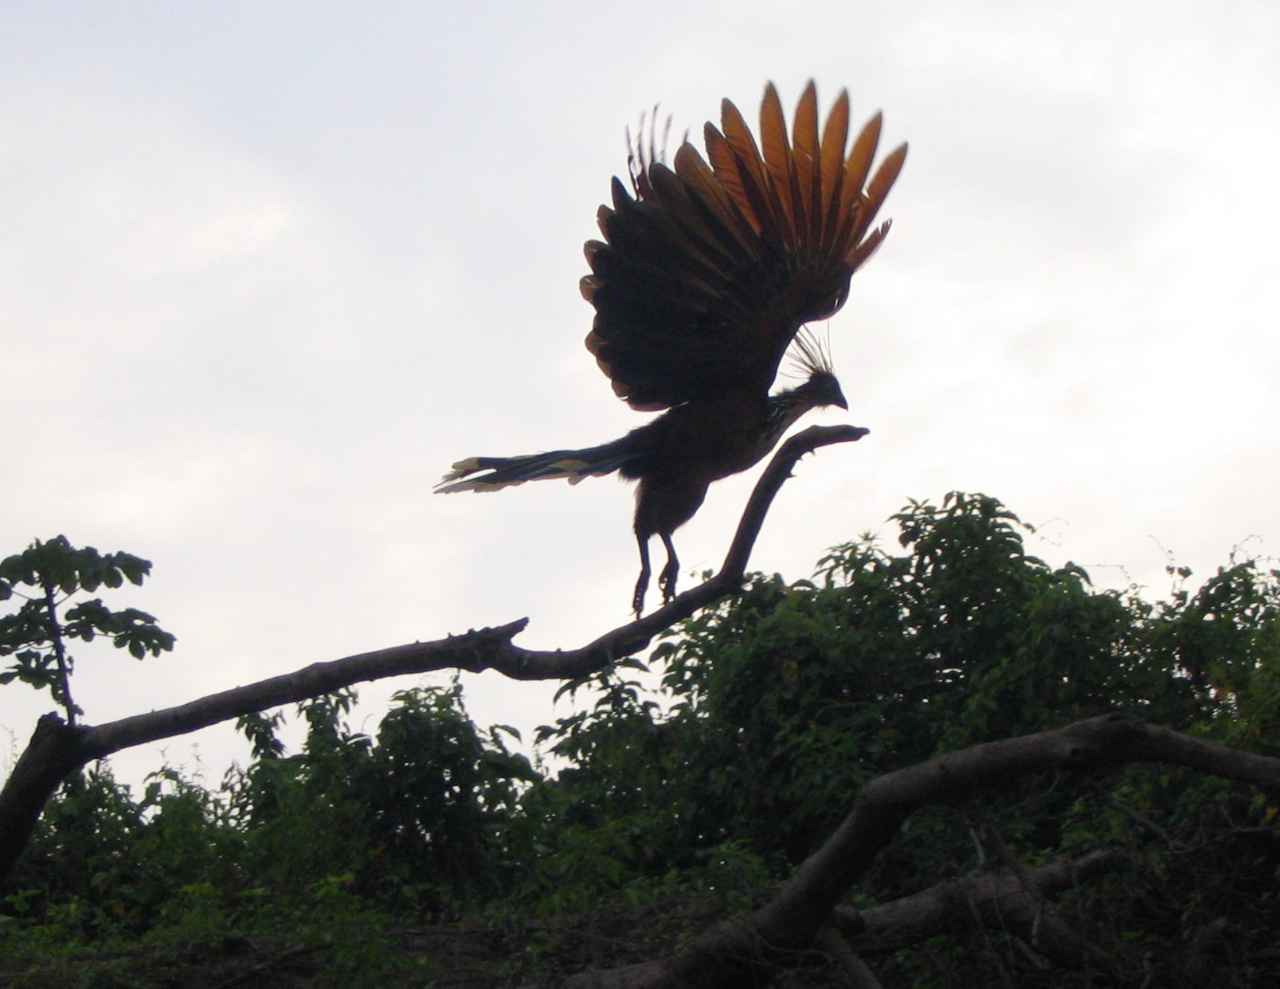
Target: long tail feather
501, 472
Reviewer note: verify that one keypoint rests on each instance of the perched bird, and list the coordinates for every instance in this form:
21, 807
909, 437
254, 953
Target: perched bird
706, 273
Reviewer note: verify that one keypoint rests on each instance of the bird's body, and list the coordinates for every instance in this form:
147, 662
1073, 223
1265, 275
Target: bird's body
675, 458
700, 442
702, 282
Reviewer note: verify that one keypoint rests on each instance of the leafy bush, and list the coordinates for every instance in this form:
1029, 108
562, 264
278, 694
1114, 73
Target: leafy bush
772, 710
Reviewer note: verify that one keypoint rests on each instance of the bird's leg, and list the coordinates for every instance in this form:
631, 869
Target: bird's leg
667, 579
642, 585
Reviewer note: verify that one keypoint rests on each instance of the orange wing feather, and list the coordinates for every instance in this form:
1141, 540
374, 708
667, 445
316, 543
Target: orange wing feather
705, 276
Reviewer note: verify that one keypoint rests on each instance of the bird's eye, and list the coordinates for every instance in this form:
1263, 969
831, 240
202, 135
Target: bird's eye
830, 305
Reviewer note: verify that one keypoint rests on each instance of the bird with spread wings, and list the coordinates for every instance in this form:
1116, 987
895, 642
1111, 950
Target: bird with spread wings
707, 272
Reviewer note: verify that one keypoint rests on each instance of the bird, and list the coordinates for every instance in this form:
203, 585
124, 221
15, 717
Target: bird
706, 273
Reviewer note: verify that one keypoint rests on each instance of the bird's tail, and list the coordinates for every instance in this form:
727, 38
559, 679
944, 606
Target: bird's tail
500, 472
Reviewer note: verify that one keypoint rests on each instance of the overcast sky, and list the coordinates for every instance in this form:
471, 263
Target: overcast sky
267, 269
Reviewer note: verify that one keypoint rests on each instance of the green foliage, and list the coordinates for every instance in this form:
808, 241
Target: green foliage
781, 704
103, 862
35, 637
706, 779
417, 816
321, 847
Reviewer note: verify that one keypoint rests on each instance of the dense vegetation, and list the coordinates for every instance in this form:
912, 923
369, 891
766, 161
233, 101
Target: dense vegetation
670, 806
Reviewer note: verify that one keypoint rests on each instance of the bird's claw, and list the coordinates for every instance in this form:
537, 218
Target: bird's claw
637, 599
667, 581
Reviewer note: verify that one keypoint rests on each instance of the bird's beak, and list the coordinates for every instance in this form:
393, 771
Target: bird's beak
840, 401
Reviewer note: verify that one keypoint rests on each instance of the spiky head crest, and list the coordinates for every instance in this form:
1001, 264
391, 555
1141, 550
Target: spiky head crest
810, 354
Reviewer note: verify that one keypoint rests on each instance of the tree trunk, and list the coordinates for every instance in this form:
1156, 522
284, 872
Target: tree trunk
55, 751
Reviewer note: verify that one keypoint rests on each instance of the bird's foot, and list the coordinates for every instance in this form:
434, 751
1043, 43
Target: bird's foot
667, 580
637, 599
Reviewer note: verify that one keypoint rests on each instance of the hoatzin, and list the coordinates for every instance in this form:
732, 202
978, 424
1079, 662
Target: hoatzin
706, 273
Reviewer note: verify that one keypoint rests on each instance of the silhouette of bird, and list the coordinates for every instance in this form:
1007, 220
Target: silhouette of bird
705, 276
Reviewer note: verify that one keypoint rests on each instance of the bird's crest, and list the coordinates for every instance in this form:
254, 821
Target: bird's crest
809, 354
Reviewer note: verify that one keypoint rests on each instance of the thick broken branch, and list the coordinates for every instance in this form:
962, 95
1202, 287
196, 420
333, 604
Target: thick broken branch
745, 950
887, 801
1000, 900
57, 749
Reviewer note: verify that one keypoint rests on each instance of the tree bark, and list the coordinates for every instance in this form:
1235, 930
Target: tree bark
55, 751
997, 900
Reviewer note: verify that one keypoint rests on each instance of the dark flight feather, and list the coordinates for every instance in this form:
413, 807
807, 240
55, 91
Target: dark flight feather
745, 245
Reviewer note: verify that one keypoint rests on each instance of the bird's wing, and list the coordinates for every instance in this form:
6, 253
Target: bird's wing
707, 271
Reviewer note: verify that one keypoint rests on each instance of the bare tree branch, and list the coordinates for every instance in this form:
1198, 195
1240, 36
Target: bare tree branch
57, 749
476, 651
1000, 898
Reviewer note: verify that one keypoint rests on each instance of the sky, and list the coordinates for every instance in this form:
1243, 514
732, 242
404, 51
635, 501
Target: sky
268, 269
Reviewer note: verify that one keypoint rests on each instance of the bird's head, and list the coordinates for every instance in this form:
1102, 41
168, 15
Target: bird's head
822, 388
811, 356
